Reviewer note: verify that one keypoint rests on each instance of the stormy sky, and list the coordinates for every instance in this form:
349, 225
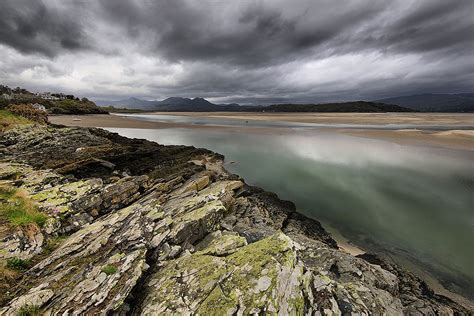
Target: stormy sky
238, 51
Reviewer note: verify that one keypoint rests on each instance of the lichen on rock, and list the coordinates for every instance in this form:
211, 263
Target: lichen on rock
256, 278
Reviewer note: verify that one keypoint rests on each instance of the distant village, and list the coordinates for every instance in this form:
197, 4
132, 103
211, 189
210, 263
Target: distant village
19, 93
59, 103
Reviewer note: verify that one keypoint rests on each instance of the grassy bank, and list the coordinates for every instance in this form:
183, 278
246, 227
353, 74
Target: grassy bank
9, 120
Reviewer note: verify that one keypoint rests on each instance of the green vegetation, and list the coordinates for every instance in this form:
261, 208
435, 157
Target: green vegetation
29, 310
18, 209
7, 278
355, 106
6, 192
9, 120
18, 264
66, 106
53, 243
57, 103
29, 112
109, 269
74, 106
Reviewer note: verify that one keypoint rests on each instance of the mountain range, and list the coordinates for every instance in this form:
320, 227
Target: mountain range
421, 102
170, 104
428, 102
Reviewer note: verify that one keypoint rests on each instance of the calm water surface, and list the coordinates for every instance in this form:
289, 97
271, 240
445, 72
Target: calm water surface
413, 203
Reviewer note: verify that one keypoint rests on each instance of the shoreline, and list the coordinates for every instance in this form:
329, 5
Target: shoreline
434, 283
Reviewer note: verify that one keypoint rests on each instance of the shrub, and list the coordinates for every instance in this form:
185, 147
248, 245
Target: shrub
74, 106
3, 102
18, 264
56, 110
29, 112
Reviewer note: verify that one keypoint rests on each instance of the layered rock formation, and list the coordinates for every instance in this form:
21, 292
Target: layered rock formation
134, 227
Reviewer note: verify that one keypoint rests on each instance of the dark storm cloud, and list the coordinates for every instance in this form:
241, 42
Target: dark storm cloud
250, 34
430, 26
256, 33
300, 51
33, 27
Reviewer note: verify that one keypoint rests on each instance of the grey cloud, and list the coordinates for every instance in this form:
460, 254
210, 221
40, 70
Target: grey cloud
432, 26
34, 27
243, 50
263, 33
251, 34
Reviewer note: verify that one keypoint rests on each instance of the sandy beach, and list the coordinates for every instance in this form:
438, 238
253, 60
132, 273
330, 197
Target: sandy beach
452, 139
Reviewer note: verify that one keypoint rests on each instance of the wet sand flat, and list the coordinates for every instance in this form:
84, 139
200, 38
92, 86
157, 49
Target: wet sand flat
343, 118
453, 139
106, 120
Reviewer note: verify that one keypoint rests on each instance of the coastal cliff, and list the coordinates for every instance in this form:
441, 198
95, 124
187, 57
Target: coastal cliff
122, 226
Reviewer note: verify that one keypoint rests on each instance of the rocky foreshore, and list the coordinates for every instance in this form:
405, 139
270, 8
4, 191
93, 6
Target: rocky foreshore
134, 227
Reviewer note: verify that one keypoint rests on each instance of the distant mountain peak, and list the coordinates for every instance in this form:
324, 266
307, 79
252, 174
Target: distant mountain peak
176, 98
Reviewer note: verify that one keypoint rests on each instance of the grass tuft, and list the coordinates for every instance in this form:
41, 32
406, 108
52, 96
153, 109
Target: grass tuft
18, 264
18, 209
109, 269
8, 277
29, 310
53, 243
6, 192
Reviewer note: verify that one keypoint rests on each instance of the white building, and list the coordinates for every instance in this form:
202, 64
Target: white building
46, 96
39, 107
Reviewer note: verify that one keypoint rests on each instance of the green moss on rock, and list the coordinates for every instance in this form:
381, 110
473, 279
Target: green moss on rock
255, 278
57, 199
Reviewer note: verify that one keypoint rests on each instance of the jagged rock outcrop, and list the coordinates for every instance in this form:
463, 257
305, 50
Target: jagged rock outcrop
150, 229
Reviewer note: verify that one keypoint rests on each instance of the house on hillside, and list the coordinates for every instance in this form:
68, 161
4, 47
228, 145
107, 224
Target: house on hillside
58, 96
40, 107
6, 96
47, 96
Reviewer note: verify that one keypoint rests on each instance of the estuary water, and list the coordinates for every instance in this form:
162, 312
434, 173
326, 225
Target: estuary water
413, 203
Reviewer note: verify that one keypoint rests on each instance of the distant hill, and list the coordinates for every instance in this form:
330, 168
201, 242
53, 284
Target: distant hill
202, 105
130, 103
462, 102
356, 106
